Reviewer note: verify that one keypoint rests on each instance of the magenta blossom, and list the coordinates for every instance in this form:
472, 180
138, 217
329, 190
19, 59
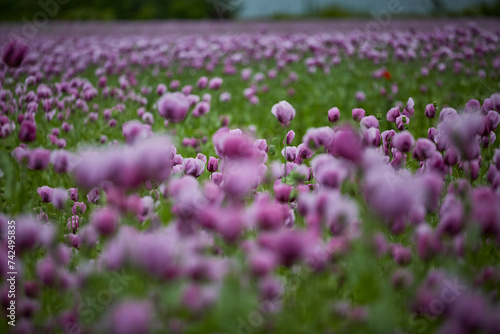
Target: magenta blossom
201, 109
213, 164
94, 195
358, 114
173, 107
284, 112
290, 153
401, 121
130, 317
317, 137
27, 133
78, 208
59, 198
161, 89
403, 141
133, 130
369, 122
73, 194
289, 137
45, 193
347, 145
73, 223
472, 106
202, 82
14, 53
304, 151
393, 114
105, 220
215, 83
424, 149
62, 161
430, 110
360, 96
38, 159
193, 167
333, 115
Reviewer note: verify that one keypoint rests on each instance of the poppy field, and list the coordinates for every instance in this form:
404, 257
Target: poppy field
251, 178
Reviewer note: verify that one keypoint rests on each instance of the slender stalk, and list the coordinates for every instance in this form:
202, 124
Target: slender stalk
284, 151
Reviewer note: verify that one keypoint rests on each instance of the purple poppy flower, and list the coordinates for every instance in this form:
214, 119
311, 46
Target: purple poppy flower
401, 121
284, 112
105, 220
472, 106
201, 109
213, 164
193, 167
215, 83
333, 115
73, 223
305, 152
45, 193
62, 161
73, 194
14, 53
130, 317
173, 107
202, 82
393, 114
430, 110
358, 114
401, 255
46, 271
27, 132
347, 145
38, 159
403, 141
78, 208
94, 195
424, 149
369, 122
289, 138
282, 191
59, 198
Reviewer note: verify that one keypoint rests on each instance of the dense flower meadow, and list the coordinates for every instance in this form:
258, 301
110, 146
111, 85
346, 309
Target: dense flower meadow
263, 181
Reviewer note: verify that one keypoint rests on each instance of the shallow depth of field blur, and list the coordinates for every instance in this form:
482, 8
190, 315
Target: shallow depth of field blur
237, 176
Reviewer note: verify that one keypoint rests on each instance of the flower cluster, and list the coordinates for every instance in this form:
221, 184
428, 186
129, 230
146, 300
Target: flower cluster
203, 174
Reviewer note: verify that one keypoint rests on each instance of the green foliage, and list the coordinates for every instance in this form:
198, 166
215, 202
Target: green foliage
333, 12
16, 10
483, 9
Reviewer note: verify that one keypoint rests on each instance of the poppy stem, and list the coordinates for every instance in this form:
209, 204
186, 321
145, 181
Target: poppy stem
284, 151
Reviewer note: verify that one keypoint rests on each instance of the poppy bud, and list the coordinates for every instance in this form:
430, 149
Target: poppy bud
358, 114
213, 164
284, 112
289, 137
430, 110
333, 115
202, 82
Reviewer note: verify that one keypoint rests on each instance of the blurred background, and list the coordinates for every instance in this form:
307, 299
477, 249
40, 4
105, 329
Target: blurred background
17, 10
